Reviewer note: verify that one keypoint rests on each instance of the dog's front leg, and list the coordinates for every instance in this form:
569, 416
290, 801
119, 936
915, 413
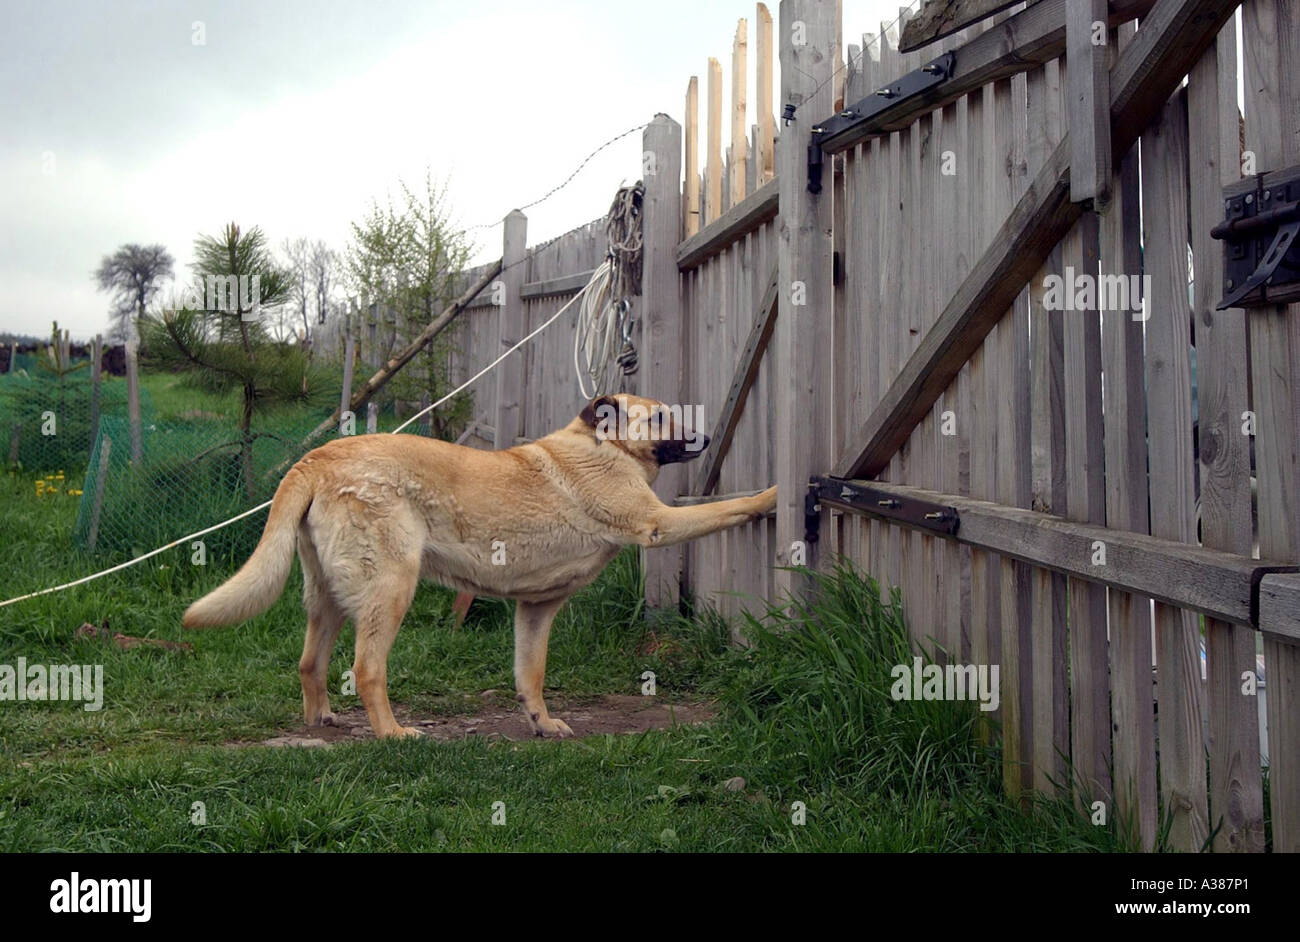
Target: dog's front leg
669, 525
532, 632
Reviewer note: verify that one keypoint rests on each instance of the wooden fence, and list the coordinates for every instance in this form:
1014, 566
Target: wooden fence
921, 352
1058, 482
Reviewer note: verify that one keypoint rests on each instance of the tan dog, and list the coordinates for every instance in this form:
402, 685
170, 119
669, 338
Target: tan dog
372, 514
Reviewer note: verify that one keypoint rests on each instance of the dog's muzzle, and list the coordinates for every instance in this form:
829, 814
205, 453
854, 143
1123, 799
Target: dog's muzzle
676, 450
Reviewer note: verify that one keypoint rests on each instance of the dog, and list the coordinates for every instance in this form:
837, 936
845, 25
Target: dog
371, 515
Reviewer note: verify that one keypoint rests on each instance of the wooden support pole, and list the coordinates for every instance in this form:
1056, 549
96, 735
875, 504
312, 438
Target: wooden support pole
372, 418
739, 122
96, 380
692, 182
509, 421
662, 330
133, 400
713, 156
391, 368
97, 506
765, 154
802, 339
349, 358
751, 358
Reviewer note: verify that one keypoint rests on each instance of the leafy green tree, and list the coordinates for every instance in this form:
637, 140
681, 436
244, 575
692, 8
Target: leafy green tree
406, 259
220, 334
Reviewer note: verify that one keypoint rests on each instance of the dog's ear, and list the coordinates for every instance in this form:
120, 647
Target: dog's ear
600, 409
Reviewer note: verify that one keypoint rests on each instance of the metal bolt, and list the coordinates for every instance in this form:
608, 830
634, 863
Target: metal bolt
1250, 198
1231, 283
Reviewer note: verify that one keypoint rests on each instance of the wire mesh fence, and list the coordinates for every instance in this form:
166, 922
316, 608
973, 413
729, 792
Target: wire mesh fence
46, 421
192, 474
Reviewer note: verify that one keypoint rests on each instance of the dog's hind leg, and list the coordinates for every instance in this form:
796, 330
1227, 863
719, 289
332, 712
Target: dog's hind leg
378, 617
323, 623
532, 633
324, 620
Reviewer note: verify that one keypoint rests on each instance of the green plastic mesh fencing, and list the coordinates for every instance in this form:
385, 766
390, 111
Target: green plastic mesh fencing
45, 421
192, 474
24, 363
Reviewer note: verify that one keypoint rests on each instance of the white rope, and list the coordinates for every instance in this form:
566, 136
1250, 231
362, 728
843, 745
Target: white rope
601, 272
596, 341
604, 334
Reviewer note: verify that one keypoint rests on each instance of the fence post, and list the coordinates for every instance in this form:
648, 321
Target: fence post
662, 331
426, 420
96, 376
372, 418
510, 373
93, 536
349, 354
133, 398
809, 38
15, 439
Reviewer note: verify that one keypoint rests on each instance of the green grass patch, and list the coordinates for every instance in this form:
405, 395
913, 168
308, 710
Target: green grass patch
805, 718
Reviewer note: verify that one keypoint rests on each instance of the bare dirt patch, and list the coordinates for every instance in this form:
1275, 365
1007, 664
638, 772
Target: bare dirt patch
609, 713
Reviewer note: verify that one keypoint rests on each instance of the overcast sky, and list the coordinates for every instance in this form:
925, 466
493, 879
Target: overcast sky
294, 115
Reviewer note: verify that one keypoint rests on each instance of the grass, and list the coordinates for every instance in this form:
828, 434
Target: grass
805, 717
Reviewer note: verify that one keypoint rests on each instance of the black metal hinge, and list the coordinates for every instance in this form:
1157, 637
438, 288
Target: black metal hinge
826, 133
812, 515
861, 497
1261, 253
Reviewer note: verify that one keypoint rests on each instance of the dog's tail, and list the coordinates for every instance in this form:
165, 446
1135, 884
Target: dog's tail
260, 580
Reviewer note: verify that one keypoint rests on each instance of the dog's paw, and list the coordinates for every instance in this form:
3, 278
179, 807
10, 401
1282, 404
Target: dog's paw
325, 719
766, 501
551, 727
402, 732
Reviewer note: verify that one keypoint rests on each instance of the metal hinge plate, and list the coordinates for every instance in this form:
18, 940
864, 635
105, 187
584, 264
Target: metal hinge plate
861, 497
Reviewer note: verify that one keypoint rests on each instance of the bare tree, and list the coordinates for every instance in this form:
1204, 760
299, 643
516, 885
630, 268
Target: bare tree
325, 270
301, 301
133, 274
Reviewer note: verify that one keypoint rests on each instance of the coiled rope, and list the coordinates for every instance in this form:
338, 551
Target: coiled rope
605, 323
